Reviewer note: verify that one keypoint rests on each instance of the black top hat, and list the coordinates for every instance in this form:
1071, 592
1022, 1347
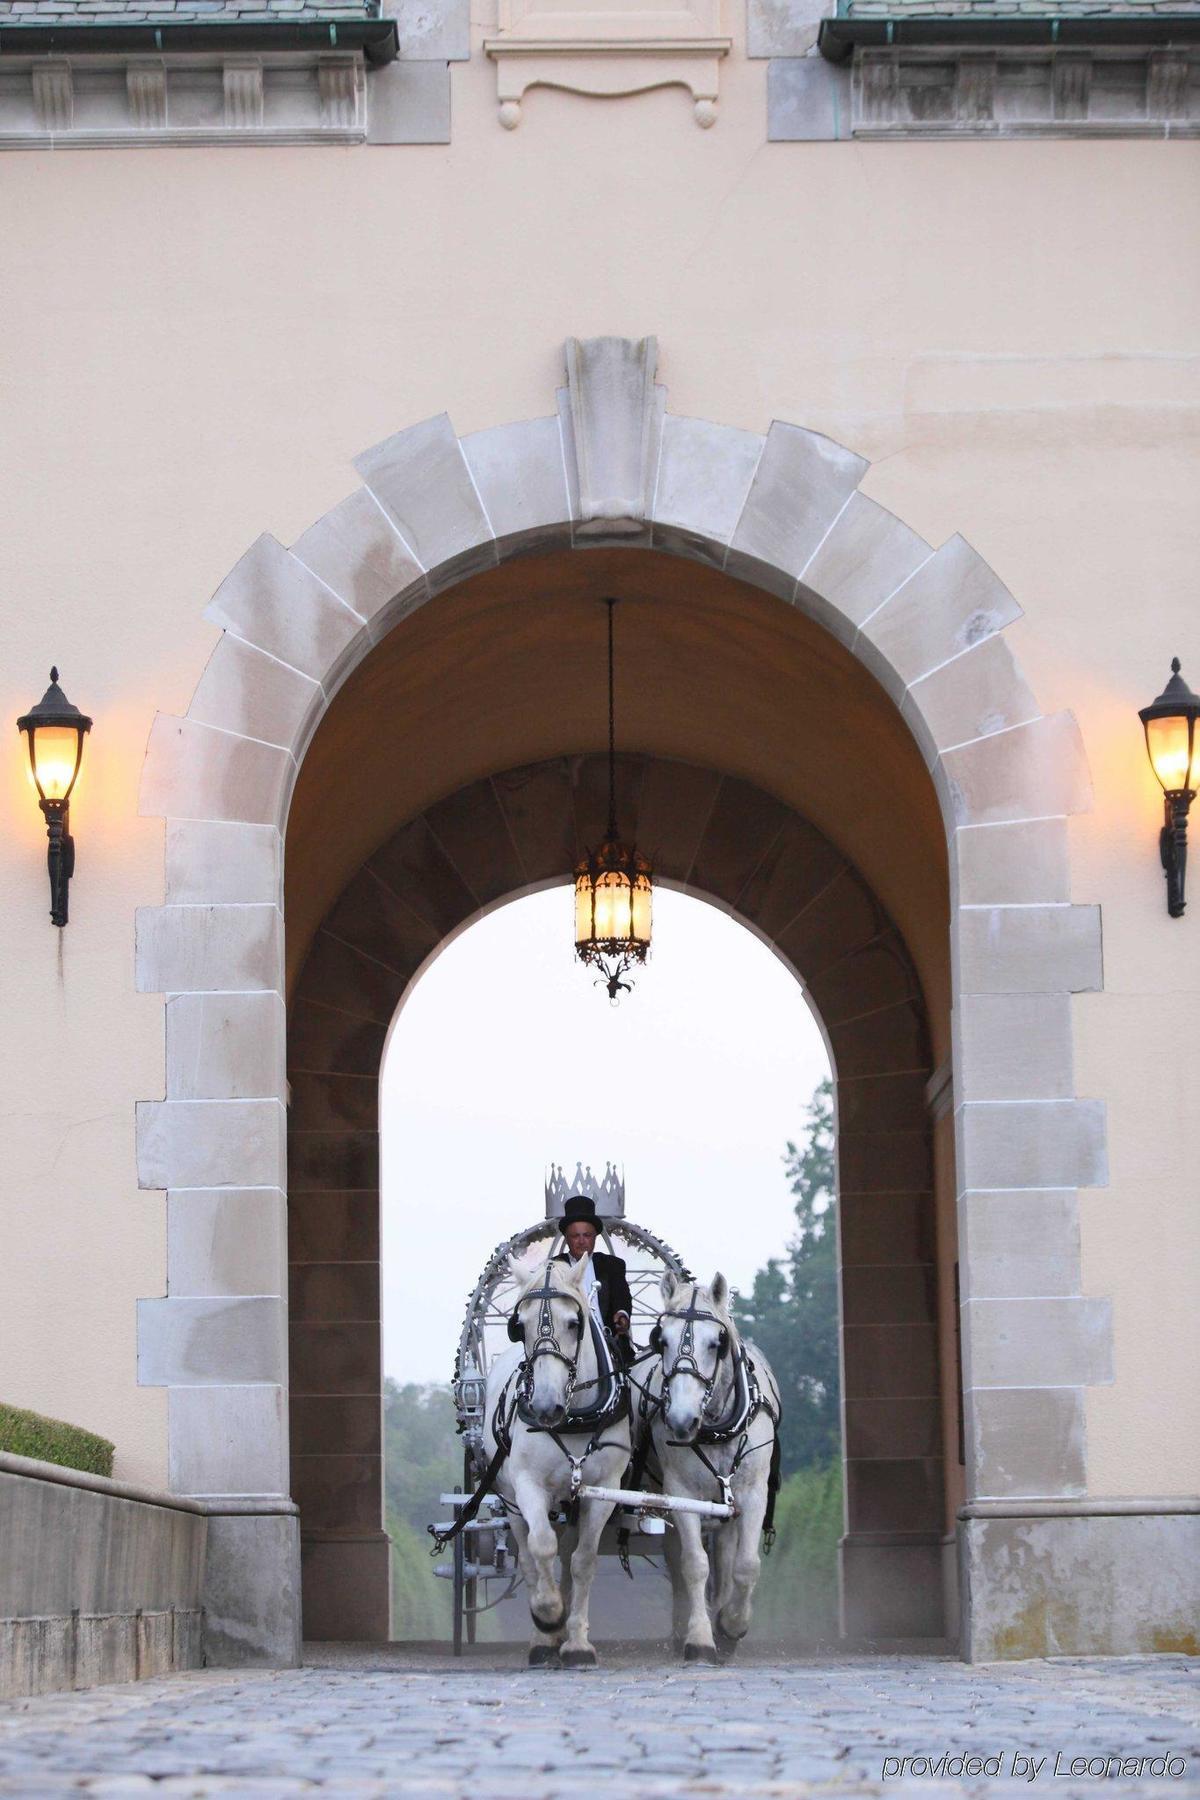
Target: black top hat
580, 1209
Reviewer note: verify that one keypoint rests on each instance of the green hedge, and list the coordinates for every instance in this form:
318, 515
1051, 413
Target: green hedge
51, 1440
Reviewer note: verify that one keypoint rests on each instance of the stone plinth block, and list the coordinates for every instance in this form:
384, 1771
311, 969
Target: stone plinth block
199, 949
1013, 1047
1011, 865
212, 1342
421, 480
252, 1591
211, 1143
226, 1046
1036, 1343
1025, 1441
228, 1440
347, 1586
274, 602
213, 863
226, 1241
1032, 1144
1089, 1584
1019, 1241
1029, 950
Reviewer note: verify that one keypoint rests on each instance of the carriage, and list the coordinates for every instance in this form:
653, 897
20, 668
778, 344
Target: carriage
483, 1566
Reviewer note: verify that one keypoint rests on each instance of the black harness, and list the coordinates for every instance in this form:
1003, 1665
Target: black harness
609, 1406
748, 1400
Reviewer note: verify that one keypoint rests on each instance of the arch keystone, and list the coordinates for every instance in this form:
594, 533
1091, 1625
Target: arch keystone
615, 431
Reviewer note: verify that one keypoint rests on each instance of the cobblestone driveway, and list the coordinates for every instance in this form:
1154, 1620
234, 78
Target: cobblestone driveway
380, 1724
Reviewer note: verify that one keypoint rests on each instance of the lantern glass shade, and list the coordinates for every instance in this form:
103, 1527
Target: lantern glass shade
1174, 748
55, 753
55, 731
613, 900
1172, 741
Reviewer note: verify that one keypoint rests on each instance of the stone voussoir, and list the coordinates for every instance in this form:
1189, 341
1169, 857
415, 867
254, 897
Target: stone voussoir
246, 690
866, 554
195, 771
949, 604
520, 475
1032, 771
802, 482
421, 479
277, 604
704, 476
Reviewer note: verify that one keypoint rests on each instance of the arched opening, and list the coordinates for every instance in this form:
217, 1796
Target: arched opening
794, 637
376, 881
504, 1057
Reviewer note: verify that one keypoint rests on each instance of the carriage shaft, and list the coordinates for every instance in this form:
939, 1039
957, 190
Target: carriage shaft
658, 1503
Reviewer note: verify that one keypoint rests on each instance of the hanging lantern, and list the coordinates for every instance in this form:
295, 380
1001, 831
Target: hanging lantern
613, 885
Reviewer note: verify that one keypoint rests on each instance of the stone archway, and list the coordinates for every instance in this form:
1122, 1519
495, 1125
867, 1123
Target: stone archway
784, 512
724, 841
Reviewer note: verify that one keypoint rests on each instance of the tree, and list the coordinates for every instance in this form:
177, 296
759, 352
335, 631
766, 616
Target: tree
792, 1310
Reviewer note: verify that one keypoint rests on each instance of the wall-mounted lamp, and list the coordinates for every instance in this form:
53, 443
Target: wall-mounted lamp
56, 731
1173, 745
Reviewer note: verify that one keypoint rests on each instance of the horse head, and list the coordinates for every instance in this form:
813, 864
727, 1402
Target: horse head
549, 1320
694, 1336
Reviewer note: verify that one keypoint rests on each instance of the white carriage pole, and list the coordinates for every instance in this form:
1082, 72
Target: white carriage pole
658, 1503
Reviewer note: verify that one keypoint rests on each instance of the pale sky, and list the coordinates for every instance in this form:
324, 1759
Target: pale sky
506, 1058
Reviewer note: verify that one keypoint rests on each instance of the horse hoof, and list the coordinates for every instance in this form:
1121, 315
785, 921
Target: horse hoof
701, 1653
543, 1656
549, 1626
579, 1659
726, 1643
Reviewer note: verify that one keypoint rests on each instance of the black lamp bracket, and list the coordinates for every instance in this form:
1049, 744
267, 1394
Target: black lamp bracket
60, 856
1172, 845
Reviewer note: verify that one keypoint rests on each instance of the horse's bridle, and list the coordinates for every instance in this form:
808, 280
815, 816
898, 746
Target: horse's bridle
547, 1343
685, 1361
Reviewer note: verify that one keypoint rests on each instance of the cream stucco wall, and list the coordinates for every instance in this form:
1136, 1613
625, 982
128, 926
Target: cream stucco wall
199, 341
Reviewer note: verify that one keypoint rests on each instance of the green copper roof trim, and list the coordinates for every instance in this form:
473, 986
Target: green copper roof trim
840, 37
376, 38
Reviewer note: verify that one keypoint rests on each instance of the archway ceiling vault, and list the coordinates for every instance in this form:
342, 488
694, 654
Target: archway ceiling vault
508, 668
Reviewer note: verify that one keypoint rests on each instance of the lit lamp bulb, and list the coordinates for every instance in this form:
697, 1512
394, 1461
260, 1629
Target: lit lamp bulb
1173, 746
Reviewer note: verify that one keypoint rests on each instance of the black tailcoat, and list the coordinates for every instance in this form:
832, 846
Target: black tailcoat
610, 1277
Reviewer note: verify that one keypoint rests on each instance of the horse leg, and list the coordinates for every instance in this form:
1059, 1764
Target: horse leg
733, 1617
680, 1604
537, 1547
698, 1641
723, 1552
577, 1652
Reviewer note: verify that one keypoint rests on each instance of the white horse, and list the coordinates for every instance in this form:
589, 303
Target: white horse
552, 1372
715, 1420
